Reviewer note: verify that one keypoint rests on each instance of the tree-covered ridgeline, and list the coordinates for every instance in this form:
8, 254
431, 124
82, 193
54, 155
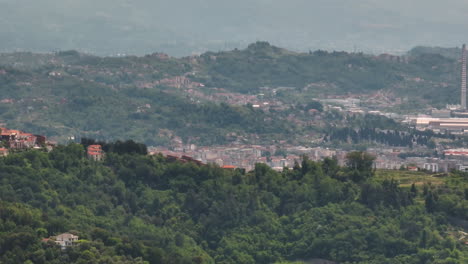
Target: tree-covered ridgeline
373, 129
419, 75
135, 208
386, 137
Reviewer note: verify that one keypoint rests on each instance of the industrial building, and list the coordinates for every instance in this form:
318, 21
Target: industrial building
454, 119
441, 125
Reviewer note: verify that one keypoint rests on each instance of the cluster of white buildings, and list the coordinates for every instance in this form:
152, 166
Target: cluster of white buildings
246, 156
454, 159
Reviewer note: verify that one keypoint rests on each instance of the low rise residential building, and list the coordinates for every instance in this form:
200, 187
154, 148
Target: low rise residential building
388, 163
432, 166
95, 152
3, 152
461, 167
63, 240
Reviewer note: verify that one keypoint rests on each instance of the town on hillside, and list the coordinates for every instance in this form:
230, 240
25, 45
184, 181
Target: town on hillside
246, 156
16, 140
323, 124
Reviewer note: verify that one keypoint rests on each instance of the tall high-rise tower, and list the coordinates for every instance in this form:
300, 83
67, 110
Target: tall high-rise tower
463, 78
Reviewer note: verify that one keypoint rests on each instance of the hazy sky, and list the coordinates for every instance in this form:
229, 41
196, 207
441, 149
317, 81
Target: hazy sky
181, 27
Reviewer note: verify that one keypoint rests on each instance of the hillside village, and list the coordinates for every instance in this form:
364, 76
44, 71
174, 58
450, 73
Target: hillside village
278, 156
210, 108
246, 156
233, 132
275, 110
14, 140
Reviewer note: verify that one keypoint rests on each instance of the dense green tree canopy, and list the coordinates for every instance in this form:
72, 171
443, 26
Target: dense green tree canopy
134, 208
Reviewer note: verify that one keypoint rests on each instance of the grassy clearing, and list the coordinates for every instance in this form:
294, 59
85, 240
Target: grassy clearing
406, 178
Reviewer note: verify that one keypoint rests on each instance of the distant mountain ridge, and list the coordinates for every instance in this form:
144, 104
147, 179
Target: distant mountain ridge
180, 28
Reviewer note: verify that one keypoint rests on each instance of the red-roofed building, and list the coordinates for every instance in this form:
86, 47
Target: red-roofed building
7, 134
42, 140
20, 140
23, 141
456, 152
95, 152
3, 152
231, 167
16, 139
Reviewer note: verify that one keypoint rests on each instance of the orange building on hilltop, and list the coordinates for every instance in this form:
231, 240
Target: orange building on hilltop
95, 152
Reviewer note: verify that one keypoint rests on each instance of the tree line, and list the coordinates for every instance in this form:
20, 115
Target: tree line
393, 138
135, 208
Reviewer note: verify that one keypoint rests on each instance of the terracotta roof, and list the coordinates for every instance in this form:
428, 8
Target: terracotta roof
94, 150
228, 167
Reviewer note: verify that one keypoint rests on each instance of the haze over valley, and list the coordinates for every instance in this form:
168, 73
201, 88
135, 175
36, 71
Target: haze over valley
111, 27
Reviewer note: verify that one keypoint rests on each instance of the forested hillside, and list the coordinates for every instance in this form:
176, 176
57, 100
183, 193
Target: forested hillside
98, 97
453, 53
68, 94
135, 208
340, 72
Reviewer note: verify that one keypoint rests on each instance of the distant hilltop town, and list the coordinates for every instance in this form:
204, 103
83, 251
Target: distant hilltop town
16, 140
12, 139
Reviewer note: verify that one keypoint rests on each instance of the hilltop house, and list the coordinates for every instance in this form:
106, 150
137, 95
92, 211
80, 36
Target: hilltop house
63, 240
3, 152
95, 152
